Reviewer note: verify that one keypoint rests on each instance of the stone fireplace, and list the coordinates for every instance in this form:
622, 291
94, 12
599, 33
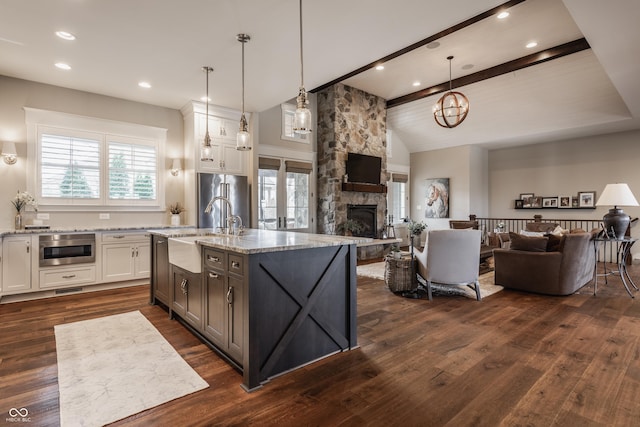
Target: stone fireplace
349, 120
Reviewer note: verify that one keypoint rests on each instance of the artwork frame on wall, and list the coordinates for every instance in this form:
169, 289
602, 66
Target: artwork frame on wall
586, 199
436, 202
565, 202
550, 202
526, 199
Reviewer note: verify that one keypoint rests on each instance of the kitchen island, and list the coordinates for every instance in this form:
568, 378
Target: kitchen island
267, 301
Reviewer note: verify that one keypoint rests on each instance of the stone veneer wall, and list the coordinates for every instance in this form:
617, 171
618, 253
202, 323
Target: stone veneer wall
349, 120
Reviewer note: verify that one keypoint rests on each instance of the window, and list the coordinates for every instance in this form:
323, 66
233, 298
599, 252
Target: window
398, 197
288, 117
82, 161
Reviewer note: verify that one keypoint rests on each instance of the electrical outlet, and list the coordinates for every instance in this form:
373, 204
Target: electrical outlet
105, 216
41, 215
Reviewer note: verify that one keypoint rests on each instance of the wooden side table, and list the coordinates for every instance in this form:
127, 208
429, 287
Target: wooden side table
400, 274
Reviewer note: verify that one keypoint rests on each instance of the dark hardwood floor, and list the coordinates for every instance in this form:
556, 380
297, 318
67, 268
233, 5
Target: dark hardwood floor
513, 359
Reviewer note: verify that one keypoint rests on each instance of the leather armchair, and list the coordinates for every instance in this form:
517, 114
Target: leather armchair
550, 273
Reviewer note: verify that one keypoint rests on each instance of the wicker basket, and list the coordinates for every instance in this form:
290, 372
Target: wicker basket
398, 274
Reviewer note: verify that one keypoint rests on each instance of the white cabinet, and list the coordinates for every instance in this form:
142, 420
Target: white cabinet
125, 256
56, 277
223, 145
223, 127
16, 271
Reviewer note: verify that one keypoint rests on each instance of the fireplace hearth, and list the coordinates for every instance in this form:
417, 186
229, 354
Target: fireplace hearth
367, 216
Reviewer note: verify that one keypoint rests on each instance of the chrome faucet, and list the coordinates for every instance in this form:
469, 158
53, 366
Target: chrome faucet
231, 218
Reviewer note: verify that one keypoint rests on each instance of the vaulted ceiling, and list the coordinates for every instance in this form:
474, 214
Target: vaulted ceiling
121, 42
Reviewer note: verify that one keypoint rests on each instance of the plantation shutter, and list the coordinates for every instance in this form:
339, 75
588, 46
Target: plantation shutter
69, 167
132, 171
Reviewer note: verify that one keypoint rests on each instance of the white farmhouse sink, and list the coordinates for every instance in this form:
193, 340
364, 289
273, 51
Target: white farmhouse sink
185, 253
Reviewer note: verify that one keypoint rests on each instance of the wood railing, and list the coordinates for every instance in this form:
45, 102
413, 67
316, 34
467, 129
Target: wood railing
608, 252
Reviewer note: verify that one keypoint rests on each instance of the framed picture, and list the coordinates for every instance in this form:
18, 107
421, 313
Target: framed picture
536, 202
586, 199
565, 202
526, 199
436, 203
519, 203
574, 202
550, 202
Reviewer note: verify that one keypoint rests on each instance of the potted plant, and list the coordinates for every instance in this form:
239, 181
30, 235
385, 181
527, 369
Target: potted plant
395, 252
175, 213
351, 226
416, 227
22, 200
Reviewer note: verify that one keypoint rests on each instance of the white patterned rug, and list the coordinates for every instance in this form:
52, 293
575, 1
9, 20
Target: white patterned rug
487, 286
116, 366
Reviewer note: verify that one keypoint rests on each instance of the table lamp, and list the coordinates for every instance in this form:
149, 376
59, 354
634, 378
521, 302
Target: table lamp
616, 221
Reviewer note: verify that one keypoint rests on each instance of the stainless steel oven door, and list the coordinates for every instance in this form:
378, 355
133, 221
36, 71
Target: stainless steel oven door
61, 249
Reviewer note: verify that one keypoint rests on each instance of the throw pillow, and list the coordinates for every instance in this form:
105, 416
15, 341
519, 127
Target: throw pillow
521, 242
532, 233
555, 243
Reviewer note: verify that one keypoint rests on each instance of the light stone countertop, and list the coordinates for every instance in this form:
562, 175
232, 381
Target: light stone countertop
81, 229
260, 241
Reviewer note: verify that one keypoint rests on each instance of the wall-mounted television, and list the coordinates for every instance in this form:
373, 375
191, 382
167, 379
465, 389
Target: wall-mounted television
363, 169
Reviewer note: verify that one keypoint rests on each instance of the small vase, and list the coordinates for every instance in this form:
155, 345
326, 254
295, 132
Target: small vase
18, 221
175, 219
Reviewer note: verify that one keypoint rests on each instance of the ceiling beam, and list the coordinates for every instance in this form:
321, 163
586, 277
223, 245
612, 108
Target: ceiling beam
421, 43
498, 70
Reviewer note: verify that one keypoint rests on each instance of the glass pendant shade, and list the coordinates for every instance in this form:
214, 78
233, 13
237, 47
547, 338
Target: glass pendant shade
243, 138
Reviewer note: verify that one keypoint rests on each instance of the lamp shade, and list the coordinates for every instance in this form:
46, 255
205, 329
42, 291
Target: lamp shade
9, 153
617, 195
616, 222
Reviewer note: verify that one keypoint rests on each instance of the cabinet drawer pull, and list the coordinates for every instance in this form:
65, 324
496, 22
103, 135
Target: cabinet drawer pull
213, 275
235, 264
183, 286
230, 295
213, 258
69, 276
119, 236
161, 241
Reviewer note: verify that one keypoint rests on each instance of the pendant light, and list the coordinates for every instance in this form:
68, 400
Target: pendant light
302, 120
452, 108
206, 152
243, 139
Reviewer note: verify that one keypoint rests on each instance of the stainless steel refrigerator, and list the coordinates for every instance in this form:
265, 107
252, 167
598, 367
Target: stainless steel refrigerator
233, 187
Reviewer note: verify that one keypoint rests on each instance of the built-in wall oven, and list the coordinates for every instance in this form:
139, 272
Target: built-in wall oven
60, 249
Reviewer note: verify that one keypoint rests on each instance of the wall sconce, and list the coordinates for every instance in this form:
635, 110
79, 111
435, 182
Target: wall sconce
175, 167
9, 153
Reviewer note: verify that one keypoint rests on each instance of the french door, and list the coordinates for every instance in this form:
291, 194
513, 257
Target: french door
284, 196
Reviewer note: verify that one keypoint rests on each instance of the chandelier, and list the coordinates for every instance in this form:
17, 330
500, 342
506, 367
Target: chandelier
302, 118
243, 138
206, 154
452, 108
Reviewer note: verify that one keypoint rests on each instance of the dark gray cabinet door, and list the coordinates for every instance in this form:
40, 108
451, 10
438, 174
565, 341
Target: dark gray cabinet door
215, 307
187, 296
160, 276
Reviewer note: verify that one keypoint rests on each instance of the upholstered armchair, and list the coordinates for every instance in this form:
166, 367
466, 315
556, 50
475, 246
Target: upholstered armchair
532, 265
450, 257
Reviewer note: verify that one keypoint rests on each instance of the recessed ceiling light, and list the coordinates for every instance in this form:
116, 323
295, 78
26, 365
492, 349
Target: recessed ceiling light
433, 45
145, 85
63, 66
503, 15
416, 83
65, 35
467, 66
379, 67
532, 44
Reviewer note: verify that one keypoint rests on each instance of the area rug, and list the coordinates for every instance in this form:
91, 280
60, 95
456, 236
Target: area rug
113, 367
487, 286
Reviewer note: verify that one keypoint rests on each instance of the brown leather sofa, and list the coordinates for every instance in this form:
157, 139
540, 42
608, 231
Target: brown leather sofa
558, 272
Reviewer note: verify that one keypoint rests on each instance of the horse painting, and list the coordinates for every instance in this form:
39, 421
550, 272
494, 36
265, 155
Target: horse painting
437, 198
